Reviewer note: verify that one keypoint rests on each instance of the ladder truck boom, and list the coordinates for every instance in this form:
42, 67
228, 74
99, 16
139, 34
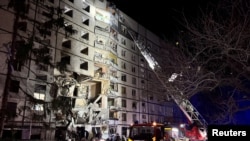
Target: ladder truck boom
184, 104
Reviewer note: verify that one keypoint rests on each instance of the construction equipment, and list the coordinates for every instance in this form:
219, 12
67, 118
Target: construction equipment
199, 125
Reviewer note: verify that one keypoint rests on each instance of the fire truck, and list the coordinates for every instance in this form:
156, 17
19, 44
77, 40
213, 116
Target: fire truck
156, 132
196, 129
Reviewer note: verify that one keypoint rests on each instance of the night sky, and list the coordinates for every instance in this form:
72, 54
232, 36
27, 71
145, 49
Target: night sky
160, 17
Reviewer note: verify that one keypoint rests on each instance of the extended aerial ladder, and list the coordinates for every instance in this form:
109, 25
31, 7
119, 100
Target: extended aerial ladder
184, 104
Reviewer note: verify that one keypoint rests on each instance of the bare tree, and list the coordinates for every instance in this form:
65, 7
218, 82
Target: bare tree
212, 57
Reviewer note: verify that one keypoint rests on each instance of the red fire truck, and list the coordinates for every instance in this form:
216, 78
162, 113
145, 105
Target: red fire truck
155, 132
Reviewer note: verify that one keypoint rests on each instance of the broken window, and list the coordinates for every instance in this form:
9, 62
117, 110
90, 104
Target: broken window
66, 43
68, 11
85, 51
69, 29
85, 35
85, 20
84, 66
86, 7
65, 59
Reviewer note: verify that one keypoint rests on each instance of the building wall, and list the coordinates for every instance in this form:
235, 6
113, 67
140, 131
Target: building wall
117, 70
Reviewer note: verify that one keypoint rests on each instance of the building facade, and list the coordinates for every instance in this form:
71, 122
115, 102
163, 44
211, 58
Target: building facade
94, 65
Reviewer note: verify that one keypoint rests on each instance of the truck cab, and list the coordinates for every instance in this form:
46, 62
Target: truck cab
155, 132
146, 132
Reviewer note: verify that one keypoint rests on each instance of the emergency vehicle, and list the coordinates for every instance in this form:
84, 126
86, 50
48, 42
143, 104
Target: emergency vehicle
155, 132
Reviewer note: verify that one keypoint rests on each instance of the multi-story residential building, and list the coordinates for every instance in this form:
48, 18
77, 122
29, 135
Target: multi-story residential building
96, 68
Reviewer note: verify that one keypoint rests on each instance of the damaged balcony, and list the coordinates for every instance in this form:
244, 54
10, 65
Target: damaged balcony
100, 72
113, 109
112, 93
100, 58
93, 112
110, 60
99, 115
100, 44
113, 90
113, 59
113, 75
102, 31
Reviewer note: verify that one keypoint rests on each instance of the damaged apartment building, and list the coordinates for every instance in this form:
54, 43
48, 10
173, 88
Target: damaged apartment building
70, 65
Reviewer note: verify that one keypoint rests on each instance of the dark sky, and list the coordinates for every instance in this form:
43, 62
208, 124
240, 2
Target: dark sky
159, 16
